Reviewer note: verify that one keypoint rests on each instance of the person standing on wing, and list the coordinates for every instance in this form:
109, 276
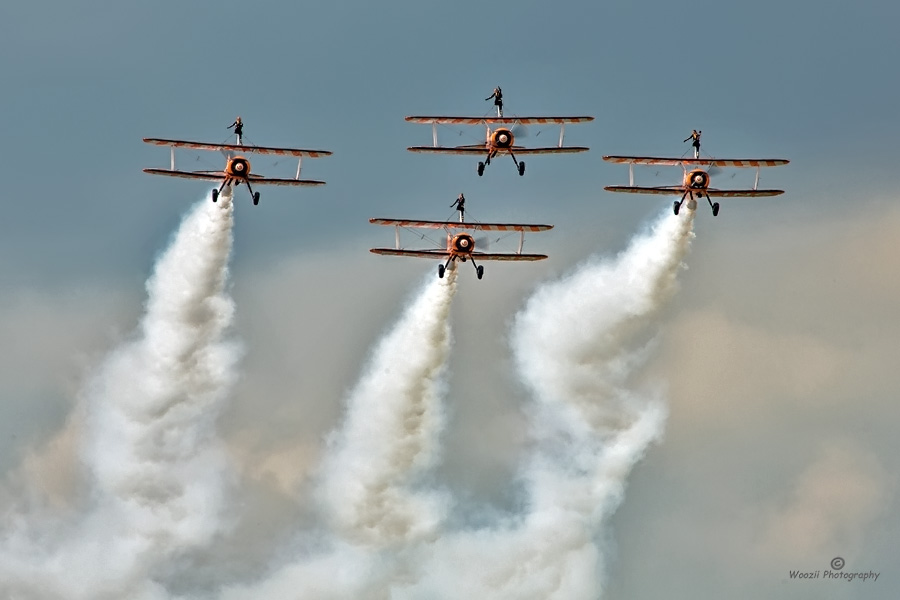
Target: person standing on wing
460, 205
498, 100
238, 130
695, 135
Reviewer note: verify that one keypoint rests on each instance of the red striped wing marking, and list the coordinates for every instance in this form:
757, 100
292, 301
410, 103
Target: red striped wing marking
452, 225
238, 149
718, 162
499, 120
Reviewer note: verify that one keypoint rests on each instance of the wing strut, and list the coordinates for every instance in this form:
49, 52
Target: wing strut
299, 165
434, 133
756, 183
172, 150
397, 236
631, 174
562, 132
521, 241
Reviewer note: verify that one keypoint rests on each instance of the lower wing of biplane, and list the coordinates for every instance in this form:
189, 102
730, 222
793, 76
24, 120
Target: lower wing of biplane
696, 180
678, 190
237, 168
460, 246
500, 139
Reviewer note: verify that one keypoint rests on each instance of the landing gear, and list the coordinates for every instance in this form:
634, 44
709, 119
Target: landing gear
676, 207
215, 195
441, 270
479, 271
480, 169
714, 207
521, 168
255, 198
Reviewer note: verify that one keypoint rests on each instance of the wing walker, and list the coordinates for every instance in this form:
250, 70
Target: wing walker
500, 135
237, 169
695, 183
460, 244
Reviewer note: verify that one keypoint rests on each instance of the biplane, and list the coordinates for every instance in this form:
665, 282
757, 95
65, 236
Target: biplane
460, 244
237, 167
695, 183
499, 140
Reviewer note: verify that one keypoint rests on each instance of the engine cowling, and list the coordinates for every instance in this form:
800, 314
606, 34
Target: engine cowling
238, 167
698, 179
462, 243
502, 138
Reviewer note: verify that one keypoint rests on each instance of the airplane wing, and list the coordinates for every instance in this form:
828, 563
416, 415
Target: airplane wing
413, 253
499, 120
747, 162
510, 256
633, 189
743, 193
238, 149
507, 256
211, 176
471, 150
482, 150
551, 150
452, 225
710, 162
677, 191
219, 175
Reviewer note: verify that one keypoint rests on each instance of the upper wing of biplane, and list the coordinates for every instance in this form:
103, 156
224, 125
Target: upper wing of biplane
677, 191
480, 150
456, 225
499, 120
712, 162
218, 175
442, 253
238, 149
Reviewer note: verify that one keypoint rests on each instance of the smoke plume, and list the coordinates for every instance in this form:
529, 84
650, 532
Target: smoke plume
157, 473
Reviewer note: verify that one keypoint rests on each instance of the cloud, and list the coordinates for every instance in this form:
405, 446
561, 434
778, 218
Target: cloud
830, 508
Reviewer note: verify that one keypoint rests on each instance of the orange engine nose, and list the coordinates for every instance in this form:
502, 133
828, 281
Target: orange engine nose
697, 179
502, 138
463, 243
238, 167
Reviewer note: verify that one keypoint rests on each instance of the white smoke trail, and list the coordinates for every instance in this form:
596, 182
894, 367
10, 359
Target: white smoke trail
157, 469
574, 345
391, 429
387, 442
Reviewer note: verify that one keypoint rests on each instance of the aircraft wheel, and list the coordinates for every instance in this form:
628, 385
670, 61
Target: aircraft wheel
521, 168
480, 169
255, 198
715, 209
441, 270
676, 207
479, 271
215, 195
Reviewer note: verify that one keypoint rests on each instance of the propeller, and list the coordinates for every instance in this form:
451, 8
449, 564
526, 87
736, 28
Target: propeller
482, 243
714, 170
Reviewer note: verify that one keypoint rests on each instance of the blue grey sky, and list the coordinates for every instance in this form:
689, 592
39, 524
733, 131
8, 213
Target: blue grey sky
778, 353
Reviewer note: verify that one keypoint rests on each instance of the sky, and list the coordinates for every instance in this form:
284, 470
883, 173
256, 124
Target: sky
776, 353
